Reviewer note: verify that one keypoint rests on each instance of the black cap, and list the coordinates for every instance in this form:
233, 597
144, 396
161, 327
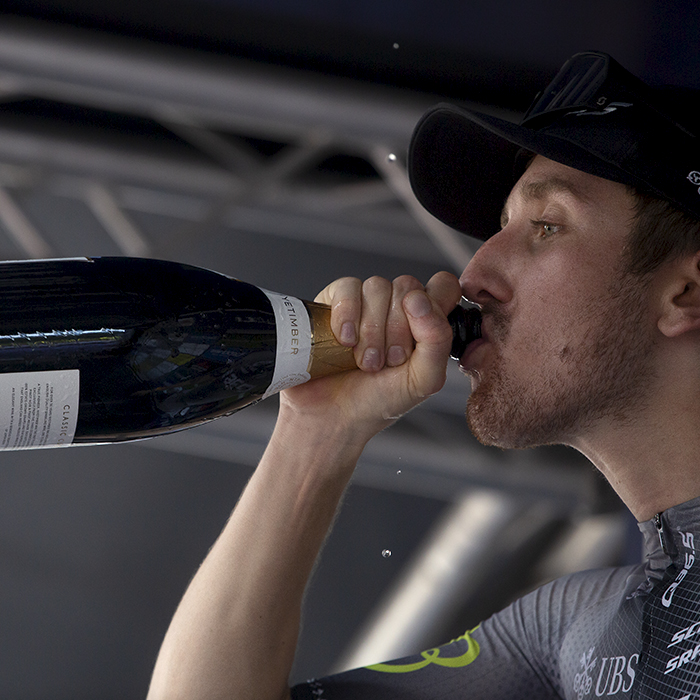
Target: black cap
594, 116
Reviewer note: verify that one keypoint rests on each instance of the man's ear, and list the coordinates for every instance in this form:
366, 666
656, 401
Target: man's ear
680, 302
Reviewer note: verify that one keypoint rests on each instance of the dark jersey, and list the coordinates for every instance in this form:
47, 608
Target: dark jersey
619, 633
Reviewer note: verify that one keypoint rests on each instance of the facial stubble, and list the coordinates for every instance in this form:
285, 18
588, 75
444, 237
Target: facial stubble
600, 378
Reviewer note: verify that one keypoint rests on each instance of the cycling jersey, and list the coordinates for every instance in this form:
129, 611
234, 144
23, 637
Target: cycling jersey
629, 632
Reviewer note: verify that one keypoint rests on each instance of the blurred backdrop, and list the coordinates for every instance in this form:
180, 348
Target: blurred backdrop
267, 140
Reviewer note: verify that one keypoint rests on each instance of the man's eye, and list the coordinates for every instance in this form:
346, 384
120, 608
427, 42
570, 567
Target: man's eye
545, 229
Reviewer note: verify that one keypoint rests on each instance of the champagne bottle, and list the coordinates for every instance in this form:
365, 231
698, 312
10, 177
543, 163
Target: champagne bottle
99, 350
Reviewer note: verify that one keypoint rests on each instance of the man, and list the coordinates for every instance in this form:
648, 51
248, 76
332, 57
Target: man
590, 292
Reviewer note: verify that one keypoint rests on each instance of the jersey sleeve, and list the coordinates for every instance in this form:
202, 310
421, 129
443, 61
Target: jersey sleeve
501, 659
514, 655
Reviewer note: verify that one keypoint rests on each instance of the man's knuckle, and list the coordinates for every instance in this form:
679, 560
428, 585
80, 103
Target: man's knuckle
377, 284
371, 328
407, 282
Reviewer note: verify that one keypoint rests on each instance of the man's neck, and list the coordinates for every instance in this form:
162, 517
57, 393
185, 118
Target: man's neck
653, 463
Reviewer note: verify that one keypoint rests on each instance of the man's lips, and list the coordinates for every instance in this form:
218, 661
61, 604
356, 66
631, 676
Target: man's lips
468, 360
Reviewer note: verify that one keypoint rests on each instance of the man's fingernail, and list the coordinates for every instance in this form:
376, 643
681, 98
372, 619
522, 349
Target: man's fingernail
347, 333
371, 359
395, 356
417, 305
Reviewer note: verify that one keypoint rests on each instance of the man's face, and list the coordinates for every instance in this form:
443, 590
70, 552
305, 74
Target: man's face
567, 333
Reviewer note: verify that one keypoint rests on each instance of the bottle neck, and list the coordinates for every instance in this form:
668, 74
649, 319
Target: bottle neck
328, 356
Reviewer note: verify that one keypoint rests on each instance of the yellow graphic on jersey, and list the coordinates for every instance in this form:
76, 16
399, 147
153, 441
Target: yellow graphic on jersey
432, 656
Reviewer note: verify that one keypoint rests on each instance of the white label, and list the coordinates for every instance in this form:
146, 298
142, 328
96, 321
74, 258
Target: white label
38, 409
293, 342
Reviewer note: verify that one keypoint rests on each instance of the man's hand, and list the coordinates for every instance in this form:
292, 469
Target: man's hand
401, 339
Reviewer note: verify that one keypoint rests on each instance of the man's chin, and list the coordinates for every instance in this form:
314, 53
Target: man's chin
493, 425
484, 425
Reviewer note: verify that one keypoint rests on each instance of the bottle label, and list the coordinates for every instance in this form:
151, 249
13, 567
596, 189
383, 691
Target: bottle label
293, 342
38, 409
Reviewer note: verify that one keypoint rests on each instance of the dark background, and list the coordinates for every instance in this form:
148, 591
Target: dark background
496, 52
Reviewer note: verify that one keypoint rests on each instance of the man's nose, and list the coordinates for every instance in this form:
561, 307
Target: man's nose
485, 279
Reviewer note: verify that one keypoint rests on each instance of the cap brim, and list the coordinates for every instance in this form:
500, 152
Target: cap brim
461, 165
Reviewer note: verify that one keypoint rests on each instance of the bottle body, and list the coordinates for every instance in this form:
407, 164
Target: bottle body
112, 349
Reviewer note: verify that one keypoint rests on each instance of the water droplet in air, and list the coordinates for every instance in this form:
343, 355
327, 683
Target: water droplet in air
399, 471
396, 46
386, 553
391, 157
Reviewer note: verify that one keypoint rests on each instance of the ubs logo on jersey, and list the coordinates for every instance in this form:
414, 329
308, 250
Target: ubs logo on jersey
615, 675
583, 681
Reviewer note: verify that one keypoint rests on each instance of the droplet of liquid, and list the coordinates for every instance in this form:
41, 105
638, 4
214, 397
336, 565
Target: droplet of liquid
399, 471
386, 553
391, 157
396, 46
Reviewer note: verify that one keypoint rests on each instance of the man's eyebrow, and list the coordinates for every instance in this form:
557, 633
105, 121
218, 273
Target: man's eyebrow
540, 189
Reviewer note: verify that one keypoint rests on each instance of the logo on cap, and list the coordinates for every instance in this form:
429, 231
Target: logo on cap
694, 177
612, 107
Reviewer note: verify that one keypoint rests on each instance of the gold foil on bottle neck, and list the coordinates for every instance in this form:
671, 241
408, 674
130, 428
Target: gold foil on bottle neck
328, 356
